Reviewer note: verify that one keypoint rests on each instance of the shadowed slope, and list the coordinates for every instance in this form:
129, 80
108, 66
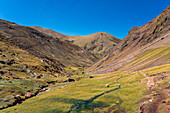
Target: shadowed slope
58, 53
97, 43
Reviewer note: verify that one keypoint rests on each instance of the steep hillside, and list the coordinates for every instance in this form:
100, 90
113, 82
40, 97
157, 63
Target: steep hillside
97, 43
21, 73
31, 61
138, 42
57, 52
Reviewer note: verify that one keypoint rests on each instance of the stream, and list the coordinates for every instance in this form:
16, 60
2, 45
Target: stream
79, 106
61, 85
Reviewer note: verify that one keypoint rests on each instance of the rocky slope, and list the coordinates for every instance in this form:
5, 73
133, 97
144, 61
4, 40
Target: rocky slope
31, 60
55, 52
97, 43
154, 34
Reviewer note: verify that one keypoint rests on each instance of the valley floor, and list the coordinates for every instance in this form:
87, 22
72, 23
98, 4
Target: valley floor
118, 92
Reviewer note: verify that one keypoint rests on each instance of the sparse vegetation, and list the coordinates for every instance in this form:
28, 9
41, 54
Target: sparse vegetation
43, 74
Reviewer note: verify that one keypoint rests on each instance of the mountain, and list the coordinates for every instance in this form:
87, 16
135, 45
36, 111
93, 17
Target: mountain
98, 43
140, 41
53, 51
31, 60
131, 77
50, 32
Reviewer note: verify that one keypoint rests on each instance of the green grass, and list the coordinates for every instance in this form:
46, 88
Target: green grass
157, 69
91, 95
85, 95
17, 87
149, 55
9, 85
88, 95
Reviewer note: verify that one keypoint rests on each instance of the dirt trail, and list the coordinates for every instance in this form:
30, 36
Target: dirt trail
150, 82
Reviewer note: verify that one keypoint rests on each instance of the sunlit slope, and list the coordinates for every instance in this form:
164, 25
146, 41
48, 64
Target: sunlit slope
97, 43
147, 58
17, 63
153, 34
19, 72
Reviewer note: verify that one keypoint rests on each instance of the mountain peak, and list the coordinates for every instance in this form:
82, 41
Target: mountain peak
101, 33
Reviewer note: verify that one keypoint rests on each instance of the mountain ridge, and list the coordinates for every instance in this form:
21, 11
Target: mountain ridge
44, 46
53, 74
137, 38
97, 43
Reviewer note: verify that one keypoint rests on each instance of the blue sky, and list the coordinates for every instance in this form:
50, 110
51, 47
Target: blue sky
83, 17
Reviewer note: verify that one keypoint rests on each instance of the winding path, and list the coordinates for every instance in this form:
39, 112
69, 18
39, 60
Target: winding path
149, 80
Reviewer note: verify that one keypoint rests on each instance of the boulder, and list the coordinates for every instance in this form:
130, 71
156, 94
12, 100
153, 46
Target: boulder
1, 72
70, 80
91, 76
107, 85
18, 97
39, 76
2, 62
163, 101
3, 55
28, 95
10, 62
